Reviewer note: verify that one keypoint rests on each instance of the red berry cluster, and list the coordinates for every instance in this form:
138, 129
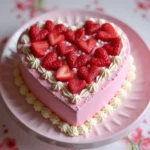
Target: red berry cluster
57, 36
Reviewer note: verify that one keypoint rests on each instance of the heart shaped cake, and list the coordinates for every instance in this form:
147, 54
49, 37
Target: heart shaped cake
77, 73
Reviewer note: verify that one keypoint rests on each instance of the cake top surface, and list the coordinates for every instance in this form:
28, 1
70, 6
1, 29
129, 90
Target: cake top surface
75, 60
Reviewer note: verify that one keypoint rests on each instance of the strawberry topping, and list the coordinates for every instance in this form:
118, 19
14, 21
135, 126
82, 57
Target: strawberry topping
37, 34
63, 49
114, 47
55, 38
51, 62
106, 33
39, 48
60, 28
87, 46
76, 85
49, 26
102, 58
89, 74
64, 73
79, 34
91, 27
82, 60
71, 59
70, 36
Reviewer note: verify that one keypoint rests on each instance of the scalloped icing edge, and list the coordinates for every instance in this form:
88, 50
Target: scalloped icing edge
89, 124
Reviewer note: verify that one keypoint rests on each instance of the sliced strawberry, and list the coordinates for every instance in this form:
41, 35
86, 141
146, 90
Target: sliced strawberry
87, 46
94, 71
79, 34
70, 36
83, 73
50, 57
54, 38
49, 26
106, 33
50, 61
71, 59
100, 62
102, 54
102, 58
64, 73
37, 34
90, 74
59, 28
39, 48
76, 85
63, 49
55, 65
91, 27
82, 60
108, 28
114, 47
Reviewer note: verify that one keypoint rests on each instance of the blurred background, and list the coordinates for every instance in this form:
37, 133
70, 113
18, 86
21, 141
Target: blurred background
14, 13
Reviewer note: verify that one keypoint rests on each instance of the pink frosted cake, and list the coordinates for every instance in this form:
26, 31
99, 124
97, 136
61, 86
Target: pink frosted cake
74, 75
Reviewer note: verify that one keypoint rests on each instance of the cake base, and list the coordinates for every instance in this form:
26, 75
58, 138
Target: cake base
89, 124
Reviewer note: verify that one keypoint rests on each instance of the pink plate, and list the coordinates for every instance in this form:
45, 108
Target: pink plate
119, 124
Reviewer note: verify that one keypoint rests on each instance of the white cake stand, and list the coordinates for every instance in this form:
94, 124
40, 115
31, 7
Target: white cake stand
118, 125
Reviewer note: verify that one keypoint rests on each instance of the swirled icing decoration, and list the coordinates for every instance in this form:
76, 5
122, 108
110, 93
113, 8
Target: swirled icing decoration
25, 50
54, 119
82, 129
92, 87
38, 106
58, 85
72, 131
46, 113
25, 39
33, 62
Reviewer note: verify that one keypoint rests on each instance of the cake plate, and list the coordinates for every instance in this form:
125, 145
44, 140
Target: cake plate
119, 124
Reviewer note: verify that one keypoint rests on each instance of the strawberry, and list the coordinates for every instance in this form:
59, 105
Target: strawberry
49, 26
50, 57
114, 47
37, 34
63, 49
71, 59
76, 85
87, 46
100, 62
91, 27
50, 61
55, 65
83, 73
82, 60
106, 33
59, 28
93, 73
90, 74
64, 73
79, 34
70, 36
102, 58
54, 38
39, 48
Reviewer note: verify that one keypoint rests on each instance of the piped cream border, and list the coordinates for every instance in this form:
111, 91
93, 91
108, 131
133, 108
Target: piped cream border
89, 124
